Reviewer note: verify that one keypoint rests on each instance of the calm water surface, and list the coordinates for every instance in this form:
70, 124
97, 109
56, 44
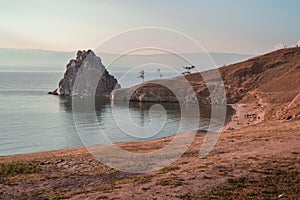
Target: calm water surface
32, 121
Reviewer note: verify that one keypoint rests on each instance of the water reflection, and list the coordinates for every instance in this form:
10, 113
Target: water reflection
135, 121
100, 102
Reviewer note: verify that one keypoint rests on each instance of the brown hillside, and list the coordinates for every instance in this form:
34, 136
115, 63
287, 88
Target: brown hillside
275, 74
271, 78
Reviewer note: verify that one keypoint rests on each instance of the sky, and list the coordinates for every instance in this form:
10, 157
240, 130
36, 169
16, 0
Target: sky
233, 26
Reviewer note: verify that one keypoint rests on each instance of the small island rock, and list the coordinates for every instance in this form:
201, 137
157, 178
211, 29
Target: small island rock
86, 76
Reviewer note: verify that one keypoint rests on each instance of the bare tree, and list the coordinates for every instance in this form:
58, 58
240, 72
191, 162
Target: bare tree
188, 69
159, 73
142, 75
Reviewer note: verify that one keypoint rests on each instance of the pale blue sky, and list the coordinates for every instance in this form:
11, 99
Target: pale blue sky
249, 26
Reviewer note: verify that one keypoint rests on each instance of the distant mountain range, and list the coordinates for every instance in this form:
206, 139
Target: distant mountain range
42, 60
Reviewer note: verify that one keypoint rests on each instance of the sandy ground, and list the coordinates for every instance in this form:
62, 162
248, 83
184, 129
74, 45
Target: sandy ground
244, 153
247, 115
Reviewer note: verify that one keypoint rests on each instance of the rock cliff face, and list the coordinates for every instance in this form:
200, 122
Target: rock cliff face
86, 76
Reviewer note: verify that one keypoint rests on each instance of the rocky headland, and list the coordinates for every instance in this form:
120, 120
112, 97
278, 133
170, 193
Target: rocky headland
267, 81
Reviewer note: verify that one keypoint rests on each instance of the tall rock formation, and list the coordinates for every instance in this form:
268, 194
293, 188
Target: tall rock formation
86, 76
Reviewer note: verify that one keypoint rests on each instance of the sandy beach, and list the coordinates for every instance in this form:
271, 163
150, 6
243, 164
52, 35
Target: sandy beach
259, 161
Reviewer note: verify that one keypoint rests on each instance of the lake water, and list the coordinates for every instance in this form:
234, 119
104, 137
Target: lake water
32, 121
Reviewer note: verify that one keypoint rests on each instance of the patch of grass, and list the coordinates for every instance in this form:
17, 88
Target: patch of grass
34, 193
202, 166
56, 176
167, 169
183, 196
163, 182
191, 153
10, 172
186, 170
12, 180
16, 168
102, 197
56, 197
171, 181
275, 180
107, 188
143, 179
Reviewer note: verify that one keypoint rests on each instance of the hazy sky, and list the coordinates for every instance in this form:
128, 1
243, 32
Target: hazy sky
241, 26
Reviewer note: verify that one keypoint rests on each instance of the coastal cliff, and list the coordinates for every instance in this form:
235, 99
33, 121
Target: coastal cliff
91, 69
272, 78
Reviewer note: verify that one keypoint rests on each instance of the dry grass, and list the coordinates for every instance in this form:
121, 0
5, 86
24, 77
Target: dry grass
168, 169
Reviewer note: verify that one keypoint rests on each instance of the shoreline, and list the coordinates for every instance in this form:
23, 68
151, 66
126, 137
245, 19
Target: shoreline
236, 121
75, 152
255, 152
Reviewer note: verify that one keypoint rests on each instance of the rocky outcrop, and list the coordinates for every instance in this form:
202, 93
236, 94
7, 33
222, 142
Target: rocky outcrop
86, 76
162, 90
274, 75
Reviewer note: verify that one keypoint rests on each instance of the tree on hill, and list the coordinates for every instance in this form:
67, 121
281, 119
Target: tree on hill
142, 75
188, 69
159, 73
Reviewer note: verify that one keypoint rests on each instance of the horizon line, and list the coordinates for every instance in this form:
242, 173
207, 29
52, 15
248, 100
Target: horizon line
69, 51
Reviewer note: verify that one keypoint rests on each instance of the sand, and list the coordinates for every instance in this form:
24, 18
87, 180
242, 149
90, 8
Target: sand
243, 154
